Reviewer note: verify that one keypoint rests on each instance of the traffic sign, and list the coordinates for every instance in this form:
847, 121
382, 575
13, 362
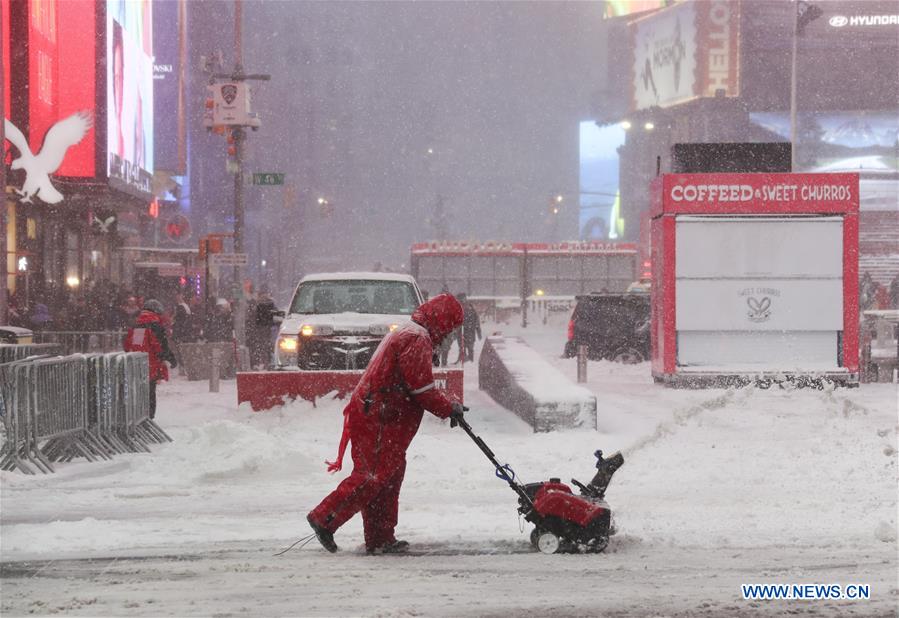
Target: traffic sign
227, 259
268, 178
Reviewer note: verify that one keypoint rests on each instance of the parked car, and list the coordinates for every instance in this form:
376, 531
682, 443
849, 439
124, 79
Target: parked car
337, 320
612, 326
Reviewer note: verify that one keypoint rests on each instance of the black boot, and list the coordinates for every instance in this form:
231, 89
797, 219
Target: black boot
324, 537
393, 547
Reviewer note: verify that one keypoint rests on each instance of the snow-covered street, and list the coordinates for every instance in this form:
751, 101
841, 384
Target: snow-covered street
720, 488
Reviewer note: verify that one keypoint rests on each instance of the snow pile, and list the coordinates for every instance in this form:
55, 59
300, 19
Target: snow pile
719, 487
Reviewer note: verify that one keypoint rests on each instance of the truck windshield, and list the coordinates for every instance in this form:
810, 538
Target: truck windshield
358, 296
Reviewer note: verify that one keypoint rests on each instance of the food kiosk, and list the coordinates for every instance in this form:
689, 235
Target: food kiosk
754, 278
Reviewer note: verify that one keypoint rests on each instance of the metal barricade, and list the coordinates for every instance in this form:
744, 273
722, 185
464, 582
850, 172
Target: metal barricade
19, 450
10, 352
60, 409
83, 342
56, 409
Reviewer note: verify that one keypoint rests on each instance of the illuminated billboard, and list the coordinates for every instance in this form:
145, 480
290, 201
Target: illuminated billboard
622, 8
687, 51
129, 94
599, 180
169, 69
60, 77
836, 141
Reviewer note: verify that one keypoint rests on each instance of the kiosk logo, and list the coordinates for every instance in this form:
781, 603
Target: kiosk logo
759, 310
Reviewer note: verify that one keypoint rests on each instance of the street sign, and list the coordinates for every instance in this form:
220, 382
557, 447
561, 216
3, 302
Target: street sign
268, 178
227, 259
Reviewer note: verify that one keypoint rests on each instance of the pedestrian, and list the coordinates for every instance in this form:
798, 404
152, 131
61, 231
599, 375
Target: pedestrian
471, 326
148, 335
40, 317
260, 322
220, 323
381, 419
183, 330
894, 293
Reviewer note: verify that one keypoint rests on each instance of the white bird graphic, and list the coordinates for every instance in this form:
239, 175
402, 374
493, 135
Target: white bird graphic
38, 168
104, 224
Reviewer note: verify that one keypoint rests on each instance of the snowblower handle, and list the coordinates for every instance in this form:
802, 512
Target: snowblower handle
486, 450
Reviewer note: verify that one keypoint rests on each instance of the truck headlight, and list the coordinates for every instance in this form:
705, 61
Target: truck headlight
287, 348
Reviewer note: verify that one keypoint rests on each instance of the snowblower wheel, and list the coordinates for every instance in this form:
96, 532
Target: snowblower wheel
597, 544
548, 543
535, 534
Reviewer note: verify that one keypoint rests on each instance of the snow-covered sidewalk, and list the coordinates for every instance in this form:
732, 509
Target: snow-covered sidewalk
719, 488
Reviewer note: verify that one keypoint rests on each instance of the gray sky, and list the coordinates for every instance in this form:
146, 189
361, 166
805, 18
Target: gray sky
361, 91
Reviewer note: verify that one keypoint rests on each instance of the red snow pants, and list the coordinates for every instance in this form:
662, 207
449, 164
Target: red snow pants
379, 464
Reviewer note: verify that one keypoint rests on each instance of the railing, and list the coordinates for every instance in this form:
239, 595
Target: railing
14, 352
92, 406
83, 342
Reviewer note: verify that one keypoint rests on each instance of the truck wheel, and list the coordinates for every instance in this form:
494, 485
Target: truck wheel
628, 356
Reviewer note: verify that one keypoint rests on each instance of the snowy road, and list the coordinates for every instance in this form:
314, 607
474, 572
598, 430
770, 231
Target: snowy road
720, 488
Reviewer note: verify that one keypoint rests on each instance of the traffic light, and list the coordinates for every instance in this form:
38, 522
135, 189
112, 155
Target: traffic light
178, 228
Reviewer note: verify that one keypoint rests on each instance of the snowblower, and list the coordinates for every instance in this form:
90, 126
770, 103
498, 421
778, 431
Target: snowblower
563, 521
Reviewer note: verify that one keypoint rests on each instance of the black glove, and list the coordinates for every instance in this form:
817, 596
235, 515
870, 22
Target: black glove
457, 414
173, 362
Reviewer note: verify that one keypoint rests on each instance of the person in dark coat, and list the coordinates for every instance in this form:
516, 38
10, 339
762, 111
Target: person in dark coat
220, 323
183, 322
260, 321
381, 419
148, 335
471, 327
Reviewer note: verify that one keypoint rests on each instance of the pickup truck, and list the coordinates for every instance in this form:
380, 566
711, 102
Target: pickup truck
337, 320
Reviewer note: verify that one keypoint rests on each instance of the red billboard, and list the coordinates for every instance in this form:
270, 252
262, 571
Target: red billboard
4, 24
62, 75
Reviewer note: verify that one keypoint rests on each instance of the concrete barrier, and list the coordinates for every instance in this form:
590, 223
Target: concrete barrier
519, 379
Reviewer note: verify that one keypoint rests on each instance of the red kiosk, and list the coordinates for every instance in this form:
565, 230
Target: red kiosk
754, 277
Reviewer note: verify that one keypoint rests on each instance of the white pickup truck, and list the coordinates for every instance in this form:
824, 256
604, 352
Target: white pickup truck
336, 320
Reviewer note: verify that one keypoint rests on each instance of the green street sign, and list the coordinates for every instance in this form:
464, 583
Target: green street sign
268, 178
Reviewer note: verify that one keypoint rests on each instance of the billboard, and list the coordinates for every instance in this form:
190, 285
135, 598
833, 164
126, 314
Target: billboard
599, 180
60, 77
169, 66
686, 51
129, 95
837, 141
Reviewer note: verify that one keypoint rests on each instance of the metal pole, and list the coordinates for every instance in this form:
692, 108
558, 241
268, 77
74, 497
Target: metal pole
793, 89
240, 317
239, 134
214, 370
581, 364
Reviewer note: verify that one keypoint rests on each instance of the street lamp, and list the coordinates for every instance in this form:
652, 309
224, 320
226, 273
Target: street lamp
555, 204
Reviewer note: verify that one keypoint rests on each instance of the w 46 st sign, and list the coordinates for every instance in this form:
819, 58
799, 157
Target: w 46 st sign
268, 178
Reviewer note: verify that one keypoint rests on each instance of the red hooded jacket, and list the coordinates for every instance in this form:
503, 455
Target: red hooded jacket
386, 408
148, 335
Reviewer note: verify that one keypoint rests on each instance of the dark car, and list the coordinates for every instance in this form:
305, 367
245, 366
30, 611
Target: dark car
612, 326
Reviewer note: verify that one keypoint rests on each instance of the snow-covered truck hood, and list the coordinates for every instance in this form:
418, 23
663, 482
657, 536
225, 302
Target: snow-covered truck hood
347, 323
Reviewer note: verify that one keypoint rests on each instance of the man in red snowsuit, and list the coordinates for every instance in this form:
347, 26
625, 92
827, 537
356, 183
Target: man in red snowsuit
148, 335
382, 417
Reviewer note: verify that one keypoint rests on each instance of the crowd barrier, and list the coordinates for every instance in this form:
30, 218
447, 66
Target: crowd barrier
12, 352
83, 342
57, 408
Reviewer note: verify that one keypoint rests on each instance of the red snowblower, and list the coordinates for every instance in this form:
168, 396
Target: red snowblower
563, 522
